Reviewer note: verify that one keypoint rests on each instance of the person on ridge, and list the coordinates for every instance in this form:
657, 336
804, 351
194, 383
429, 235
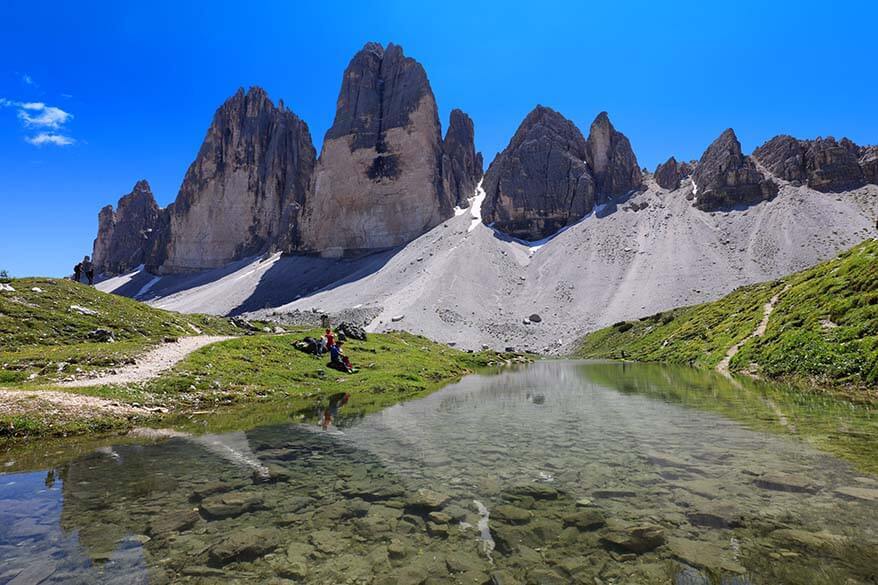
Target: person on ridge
89, 270
77, 272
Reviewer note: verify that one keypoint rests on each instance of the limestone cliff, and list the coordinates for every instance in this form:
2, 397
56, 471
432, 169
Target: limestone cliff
124, 234
378, 183
243, 193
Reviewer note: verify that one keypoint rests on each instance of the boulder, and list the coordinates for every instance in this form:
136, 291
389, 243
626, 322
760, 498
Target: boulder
612, 161
351, 331
725, 177
379, 181
243, 193
541, 181
126, 233
670, 173
462, 166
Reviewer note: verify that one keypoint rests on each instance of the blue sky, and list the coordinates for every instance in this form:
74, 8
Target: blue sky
133, 86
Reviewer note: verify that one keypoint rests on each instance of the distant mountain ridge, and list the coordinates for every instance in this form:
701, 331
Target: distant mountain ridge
386, 175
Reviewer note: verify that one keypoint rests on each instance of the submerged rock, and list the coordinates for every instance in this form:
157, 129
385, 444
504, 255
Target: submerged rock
246, 544
638, 538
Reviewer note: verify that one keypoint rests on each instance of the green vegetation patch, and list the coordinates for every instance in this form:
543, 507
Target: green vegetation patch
823, 330
47, 329
392, 367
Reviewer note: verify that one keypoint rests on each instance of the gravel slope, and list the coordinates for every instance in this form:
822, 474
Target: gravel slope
464, 283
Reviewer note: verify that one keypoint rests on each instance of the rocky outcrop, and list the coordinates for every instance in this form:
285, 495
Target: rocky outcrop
611, 159
832, 167
823, 164
784, 157
462, 166
125, 234
243, 193
869, 163
550, 176
541, 181
379, 181
670, 173
724, 177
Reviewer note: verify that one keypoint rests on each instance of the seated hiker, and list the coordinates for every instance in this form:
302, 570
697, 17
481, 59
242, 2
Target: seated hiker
330, 339
338, 360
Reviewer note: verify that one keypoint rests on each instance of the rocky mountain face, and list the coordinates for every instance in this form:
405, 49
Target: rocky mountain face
541, 181
379, 181
462, 166
244, 191
386, 175
611, 160
823, 164
724, 177
550, 176
670, 173
124, 234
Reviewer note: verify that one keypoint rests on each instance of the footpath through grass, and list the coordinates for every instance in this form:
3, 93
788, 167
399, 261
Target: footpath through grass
48, 325
823, 331
47, 334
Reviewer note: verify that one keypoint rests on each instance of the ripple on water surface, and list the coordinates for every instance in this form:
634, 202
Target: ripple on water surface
561, 472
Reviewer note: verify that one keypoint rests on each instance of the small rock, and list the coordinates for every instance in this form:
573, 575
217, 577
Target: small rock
424, 498
246, 544
397, 318
639, 538
82, 310
535, 318
586, 519
510, 514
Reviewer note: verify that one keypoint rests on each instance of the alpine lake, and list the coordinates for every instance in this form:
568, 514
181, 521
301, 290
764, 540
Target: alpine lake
552, 473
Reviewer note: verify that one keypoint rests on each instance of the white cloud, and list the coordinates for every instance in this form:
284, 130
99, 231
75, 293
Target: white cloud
39, 115
46, 116
27, 79
47, 138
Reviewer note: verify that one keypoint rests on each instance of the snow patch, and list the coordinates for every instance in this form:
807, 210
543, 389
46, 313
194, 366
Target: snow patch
476, 207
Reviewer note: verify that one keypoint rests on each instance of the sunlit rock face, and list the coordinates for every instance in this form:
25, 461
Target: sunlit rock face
244, 192
379, 181
125, 234
725, 178
823, 164
550, 176
611, 159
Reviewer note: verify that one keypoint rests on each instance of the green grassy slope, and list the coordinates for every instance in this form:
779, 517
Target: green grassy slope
43, 325
824, 328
